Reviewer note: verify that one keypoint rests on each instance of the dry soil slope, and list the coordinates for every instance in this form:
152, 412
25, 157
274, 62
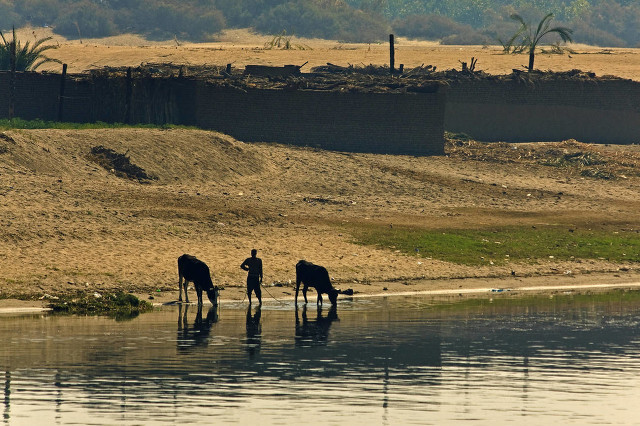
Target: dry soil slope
69, 224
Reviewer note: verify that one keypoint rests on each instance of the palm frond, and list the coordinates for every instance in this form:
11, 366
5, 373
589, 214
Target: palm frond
28, 56
530, 42
543, 26
563, 32
518, 18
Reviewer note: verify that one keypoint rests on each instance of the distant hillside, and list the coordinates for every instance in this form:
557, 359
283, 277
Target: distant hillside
611, 23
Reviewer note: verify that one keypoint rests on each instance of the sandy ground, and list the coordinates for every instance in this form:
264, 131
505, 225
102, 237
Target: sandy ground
68, 225
241, 47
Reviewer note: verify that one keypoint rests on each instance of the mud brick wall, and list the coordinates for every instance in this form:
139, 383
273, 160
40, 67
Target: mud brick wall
409, 123
360, 122
36, 95
87, 99
598, 111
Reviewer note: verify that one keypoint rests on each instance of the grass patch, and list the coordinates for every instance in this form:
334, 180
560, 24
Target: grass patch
18, 123
513, 244
119, 305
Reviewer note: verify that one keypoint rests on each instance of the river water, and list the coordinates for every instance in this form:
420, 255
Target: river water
395, 360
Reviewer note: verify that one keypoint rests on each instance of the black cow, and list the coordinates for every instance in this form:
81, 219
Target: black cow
196, 271
315, 276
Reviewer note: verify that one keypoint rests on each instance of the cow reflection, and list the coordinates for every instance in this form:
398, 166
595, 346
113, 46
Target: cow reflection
314, 332
254, 332
197, 335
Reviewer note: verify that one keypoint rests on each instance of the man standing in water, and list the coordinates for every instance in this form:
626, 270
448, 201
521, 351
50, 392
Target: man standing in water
253, 264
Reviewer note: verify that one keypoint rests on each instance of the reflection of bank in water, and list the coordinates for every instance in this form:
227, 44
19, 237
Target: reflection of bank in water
314, 332
254, 332
390, 360
191, 336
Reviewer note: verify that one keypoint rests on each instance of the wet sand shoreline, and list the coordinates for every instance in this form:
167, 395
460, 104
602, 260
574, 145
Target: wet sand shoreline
479, 288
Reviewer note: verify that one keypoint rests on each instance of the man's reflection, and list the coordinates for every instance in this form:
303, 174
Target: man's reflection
314, 332
254, 332
7, 395
198, 334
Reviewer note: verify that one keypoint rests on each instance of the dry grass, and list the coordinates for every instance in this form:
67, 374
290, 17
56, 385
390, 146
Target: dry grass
576, 158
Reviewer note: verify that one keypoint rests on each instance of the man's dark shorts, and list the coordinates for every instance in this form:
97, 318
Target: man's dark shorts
253, 283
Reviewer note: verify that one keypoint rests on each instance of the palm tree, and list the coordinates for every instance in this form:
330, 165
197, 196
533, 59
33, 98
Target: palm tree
533, 38
28, 57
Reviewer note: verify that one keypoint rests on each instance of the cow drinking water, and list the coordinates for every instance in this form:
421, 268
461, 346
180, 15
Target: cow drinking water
317, 277
192, 269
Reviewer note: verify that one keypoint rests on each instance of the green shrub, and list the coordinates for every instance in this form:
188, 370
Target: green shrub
310, 19
586, 33
86, 19
468, 37
38, 12
162, 20
8, 17
429, 27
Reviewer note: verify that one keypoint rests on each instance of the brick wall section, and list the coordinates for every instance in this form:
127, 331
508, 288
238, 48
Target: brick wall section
36, 95
359, 122
87, 99
410, 123
596, 111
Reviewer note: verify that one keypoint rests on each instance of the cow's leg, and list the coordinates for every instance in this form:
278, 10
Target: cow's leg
319, 301
181, 319
185, 284
180, 288
297, 289
199, 293
304, 292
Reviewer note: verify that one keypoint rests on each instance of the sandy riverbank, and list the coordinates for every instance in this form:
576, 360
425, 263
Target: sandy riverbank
67, 225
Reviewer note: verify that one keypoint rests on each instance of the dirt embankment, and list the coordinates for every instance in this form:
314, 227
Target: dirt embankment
72, 222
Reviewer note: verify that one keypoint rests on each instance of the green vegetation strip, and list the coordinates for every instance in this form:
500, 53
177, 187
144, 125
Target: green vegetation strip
18, 123
514, 244
118, 305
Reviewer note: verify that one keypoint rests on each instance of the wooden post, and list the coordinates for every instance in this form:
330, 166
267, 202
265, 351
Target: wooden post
12, 81
129, 95
392, 55
61, 98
